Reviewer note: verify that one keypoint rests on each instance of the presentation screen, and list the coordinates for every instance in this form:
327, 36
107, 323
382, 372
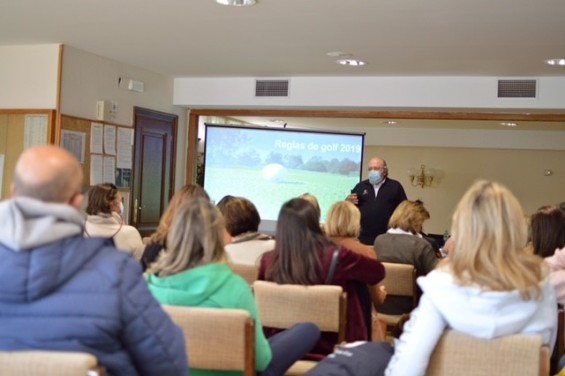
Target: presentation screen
269, 166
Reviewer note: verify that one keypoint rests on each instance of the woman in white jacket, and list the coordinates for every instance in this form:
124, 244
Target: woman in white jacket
104, 219
488, 286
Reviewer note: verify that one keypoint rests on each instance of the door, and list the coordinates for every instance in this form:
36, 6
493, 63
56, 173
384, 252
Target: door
154, 165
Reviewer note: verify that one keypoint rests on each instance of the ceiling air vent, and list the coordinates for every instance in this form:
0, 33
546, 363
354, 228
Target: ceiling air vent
271, 88
517, 88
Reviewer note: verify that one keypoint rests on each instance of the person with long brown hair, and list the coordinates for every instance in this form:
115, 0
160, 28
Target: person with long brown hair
303, 255
547, 226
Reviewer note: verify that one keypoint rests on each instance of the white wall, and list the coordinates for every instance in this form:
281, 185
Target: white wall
366, 92
88, 78
467, 138
522, 171
28, 76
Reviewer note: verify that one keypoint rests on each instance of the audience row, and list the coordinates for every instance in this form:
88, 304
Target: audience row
66, 287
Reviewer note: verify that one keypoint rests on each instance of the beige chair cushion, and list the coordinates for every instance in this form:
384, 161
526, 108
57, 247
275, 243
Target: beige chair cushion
281, 306
399, 279
247, 272
464, 355
216, 338
35, 363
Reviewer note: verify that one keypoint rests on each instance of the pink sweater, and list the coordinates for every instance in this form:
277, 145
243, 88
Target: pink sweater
556, 265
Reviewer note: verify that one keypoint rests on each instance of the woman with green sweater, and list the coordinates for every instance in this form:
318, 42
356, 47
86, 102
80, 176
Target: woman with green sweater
193, 273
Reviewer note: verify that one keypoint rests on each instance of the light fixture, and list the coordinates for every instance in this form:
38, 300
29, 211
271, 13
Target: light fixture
351, 62
390, 122
558, 61
424, 178
339, 54
237, 3
509, 124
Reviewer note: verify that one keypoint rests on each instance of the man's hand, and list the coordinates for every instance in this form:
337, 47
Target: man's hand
353, 198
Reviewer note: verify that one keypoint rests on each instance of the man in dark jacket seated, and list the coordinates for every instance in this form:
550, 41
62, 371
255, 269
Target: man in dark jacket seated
61, 291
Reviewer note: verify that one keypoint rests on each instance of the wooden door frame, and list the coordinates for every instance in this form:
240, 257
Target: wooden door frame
439, 114
162, 116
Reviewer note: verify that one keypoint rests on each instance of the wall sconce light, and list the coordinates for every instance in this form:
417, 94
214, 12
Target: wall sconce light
423, 178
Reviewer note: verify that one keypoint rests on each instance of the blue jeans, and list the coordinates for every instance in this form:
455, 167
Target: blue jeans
289, 346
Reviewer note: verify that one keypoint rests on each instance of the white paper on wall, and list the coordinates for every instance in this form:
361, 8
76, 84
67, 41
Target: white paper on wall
125, 148
109, 139
96, 137
74, 143
35, 130
96, 169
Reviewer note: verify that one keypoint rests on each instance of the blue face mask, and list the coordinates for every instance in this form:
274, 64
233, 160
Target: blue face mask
375, 177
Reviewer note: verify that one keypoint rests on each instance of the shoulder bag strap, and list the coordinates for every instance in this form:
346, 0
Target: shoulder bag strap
332, 266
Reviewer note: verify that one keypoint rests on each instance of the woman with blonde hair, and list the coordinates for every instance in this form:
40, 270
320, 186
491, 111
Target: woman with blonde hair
192, 272
158, 240
343, 225
488, 286
403, 244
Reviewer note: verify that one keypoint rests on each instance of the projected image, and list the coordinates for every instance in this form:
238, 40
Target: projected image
271, 166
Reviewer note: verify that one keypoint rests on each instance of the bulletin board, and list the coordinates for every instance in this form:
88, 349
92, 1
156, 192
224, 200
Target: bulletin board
105, 151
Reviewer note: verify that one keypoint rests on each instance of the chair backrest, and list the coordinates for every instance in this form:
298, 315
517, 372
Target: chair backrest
463, 355
35, 363
400, 280
247, 272
282, 306
217, 338
559, 349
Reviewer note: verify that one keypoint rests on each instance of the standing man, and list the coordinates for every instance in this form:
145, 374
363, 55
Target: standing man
376, 198
61, 291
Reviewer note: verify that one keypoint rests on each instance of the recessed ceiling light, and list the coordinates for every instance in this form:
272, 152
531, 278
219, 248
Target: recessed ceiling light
509, 124
390, 122
559, 61
339, 54
351, 62
237, 3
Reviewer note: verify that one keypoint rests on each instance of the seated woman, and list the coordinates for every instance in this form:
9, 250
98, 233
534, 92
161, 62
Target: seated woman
403, 244
192, 272
242, 223
488, 286
343, 225
158, 240
104, 219
303, 255
547, 227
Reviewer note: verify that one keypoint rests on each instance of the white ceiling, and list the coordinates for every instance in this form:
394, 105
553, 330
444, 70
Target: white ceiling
289, 38
278, 38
